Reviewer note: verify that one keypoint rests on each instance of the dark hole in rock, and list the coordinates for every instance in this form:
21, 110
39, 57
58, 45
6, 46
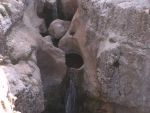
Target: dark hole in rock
74, 60
72, 33
48, 18
44, 34
14, 61
55, 42
116, 63
112, 40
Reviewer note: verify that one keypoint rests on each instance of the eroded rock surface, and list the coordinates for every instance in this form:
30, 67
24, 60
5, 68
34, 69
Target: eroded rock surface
10, 12
24, 45
113, 38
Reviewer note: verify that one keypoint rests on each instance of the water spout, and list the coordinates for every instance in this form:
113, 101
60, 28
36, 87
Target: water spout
55, 11
71, 93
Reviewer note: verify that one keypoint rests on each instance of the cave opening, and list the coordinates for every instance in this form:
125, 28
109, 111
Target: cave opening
74, 60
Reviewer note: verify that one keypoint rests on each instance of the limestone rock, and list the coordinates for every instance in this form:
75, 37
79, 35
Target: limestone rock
10, 12
51, 61
25, 83
29, 52
31, 19
6, 98
58, 28
48, 39
20, 44
113, 38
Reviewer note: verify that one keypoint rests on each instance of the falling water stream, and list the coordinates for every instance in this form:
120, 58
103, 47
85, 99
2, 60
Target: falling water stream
55, 11
74, 62
71, 93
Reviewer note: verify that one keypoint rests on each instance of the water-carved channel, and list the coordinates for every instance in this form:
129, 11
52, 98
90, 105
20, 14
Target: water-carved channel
74, 62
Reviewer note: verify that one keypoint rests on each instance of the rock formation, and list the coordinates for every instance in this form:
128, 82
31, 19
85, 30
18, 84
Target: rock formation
108, 40
113, 39
23, 43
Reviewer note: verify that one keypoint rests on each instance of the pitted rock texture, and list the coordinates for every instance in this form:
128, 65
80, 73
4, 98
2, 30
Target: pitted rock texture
10, 12
25, 83
113, 38
6, 98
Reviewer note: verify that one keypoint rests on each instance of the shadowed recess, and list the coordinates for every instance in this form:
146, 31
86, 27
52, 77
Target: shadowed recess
74, 60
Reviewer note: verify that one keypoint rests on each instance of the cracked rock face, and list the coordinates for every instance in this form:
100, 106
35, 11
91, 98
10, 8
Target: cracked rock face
113, 38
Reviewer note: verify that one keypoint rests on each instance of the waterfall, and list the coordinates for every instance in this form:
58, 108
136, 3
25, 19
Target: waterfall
71, 93
55, 11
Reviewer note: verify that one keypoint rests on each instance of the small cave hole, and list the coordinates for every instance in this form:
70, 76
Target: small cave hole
44, 34
72, 33
111, 40
116, 64
55, 42
74, 60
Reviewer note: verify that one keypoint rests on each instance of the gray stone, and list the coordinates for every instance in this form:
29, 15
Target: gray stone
58, 28
10, 12
24, 76
116, 70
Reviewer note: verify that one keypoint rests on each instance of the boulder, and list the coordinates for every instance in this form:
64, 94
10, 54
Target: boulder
6, 105
25, 83
58, 28
48, 39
